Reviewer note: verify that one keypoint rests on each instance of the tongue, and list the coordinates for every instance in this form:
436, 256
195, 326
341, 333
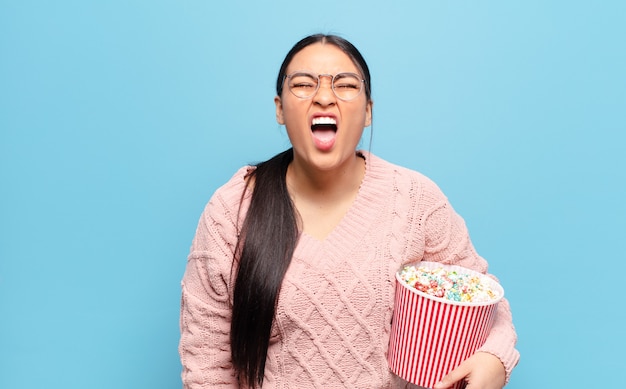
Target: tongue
324, 135
324, 138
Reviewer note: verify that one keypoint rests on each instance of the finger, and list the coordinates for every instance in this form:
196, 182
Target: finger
453, 377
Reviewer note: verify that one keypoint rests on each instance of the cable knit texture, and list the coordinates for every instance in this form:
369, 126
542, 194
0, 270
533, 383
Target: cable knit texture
334, 310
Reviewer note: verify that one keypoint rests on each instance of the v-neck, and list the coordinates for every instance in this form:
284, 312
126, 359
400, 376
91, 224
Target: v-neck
354, 224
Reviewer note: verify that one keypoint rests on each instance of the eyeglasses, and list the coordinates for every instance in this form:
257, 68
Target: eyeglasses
346, 86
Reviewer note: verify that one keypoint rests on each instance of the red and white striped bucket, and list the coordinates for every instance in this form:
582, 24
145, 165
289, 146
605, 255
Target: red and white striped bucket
430, 336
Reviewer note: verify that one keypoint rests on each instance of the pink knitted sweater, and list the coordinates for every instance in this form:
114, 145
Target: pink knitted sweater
334, 311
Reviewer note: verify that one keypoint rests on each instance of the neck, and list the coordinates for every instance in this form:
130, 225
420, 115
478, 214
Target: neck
328, 186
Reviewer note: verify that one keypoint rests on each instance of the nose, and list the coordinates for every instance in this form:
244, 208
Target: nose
325, 95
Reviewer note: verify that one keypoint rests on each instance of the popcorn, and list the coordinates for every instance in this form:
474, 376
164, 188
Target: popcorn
447, 284
442, 314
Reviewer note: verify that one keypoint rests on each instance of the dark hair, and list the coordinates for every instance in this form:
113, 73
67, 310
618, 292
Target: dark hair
268, 238
348, 48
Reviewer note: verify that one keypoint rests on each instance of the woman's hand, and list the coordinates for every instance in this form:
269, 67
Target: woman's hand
480, 371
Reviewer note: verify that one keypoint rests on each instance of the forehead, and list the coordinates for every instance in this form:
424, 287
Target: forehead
322, 59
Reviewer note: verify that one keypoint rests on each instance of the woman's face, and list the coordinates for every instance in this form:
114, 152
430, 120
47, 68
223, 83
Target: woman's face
323, 147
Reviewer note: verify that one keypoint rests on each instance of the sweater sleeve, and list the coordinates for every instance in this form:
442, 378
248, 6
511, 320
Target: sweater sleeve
205, 315
447, 241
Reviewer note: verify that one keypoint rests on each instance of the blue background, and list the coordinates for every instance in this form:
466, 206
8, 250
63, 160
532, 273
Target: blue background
118, 120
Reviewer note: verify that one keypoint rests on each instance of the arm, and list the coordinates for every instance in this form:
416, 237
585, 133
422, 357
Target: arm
205, 308
447, 241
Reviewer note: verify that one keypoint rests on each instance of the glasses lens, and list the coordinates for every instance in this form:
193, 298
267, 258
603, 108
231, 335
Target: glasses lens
303, 85
347, 86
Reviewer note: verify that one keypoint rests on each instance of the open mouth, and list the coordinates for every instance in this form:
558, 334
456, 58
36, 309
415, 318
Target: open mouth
324, 124
324, 130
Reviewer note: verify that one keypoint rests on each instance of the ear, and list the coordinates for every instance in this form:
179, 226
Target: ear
279, 110
368, 113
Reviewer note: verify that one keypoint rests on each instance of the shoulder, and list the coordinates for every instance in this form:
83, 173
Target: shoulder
229, 200
235, 186
404, 178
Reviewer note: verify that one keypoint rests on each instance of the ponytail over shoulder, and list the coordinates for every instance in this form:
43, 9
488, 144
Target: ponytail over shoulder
268, 238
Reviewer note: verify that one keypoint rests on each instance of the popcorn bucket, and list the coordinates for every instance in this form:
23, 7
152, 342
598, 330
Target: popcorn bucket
430, 336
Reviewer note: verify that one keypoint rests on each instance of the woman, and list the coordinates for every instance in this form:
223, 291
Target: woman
290, 279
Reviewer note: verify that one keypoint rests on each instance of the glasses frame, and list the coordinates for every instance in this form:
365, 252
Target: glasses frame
319, 82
